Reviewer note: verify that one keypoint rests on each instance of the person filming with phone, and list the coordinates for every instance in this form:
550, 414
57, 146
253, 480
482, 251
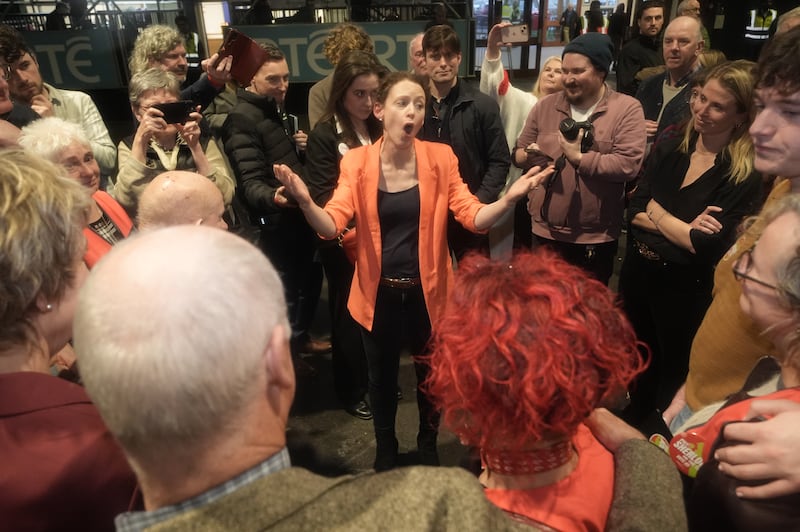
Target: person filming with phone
595, 136
168, 137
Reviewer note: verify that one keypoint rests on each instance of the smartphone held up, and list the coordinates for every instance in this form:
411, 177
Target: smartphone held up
515, 33
176, 112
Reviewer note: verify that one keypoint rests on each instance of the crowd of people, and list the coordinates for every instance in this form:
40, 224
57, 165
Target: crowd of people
157, 297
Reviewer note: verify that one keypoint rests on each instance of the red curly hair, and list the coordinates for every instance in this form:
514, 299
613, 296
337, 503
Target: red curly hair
526, 350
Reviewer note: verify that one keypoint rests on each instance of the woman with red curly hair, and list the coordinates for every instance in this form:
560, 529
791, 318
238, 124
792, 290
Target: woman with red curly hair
523, 354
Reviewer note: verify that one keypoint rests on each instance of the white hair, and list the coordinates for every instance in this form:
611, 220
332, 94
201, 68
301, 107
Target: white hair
171, 330
48, 137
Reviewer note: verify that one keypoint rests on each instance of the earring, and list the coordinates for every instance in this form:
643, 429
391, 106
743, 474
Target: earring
48, 307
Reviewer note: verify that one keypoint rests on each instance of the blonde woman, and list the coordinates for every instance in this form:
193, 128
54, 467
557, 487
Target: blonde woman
62, 468
683, 216
514, 107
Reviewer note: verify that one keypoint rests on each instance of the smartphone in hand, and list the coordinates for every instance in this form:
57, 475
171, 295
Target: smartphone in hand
516, 33
176, 112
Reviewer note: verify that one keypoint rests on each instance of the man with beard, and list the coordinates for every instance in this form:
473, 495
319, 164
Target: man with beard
163, 47
644, 51
469, 121
665, 97
579, 213
27, 87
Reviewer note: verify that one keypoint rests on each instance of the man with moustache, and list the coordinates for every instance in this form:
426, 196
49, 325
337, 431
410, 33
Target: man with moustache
469, 121
665, 97
644, 51
579, 213
12, 115
26, 86
15, 113
163, 47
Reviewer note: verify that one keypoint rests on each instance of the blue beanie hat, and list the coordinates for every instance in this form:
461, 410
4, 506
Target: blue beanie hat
596, 46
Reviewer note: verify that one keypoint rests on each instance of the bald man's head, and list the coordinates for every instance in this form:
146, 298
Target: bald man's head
178, 197
204, 344
683, 43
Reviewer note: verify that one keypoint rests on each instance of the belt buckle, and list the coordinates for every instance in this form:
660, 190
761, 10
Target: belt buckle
646, 252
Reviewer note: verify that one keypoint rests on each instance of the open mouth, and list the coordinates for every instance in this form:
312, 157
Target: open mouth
408, 128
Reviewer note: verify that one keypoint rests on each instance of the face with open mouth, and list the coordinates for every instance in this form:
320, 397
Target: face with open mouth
402, 112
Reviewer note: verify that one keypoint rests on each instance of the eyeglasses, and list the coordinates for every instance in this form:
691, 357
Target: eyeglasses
742, 266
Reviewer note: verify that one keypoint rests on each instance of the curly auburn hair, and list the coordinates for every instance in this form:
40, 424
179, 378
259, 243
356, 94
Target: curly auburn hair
526, 350
344, 38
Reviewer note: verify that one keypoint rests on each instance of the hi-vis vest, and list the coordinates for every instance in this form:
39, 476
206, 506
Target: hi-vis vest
760, 22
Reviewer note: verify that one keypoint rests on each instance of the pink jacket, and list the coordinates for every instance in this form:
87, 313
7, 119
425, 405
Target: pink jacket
590, 200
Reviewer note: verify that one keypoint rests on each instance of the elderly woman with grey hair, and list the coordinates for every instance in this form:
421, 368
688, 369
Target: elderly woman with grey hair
159, 145
66, 145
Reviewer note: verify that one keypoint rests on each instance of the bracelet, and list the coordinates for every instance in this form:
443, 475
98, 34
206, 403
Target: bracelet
656, 222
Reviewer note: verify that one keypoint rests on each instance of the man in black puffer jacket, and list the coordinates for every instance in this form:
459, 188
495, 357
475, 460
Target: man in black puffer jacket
257, 134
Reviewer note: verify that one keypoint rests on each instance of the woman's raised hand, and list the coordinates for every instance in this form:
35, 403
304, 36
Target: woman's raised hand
292, 183
528, 182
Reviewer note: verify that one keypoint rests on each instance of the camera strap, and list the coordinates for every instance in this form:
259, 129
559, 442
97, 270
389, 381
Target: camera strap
559, 165
586, 143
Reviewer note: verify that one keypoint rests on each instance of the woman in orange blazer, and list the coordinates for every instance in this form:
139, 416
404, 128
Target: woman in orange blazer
399, 191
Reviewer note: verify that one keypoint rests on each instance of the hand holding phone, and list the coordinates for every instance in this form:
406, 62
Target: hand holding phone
176, 112
534, 150
516, 33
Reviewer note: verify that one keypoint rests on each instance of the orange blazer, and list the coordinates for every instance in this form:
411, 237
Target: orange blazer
440, 189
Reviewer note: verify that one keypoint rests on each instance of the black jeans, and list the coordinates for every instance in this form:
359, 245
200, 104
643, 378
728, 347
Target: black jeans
665, 303
289, 243
348, 358
596, 259
401, 323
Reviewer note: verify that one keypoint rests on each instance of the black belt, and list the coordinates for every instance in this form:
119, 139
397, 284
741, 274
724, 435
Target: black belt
400, 282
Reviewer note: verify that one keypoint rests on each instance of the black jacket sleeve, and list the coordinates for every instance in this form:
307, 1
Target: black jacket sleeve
322, 162
497, 155
253, 172
202, 92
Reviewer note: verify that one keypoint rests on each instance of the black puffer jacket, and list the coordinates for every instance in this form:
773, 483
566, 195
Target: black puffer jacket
255, 139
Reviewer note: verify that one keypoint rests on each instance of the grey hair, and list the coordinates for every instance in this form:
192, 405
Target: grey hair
788, 274
152, 79
682, 7
48, 137
178, 373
